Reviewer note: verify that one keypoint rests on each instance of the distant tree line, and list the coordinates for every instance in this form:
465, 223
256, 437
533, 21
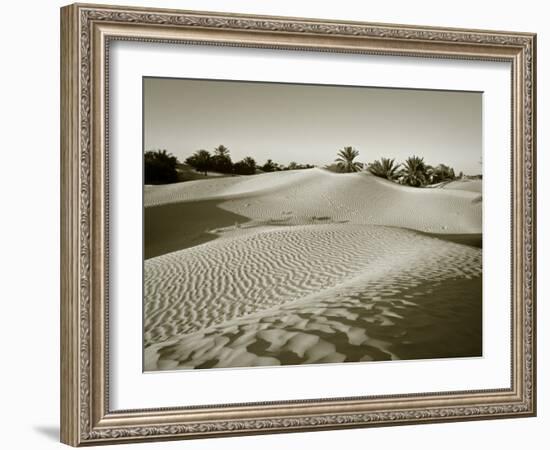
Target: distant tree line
271, 166
412, 172
161, 167
220, 161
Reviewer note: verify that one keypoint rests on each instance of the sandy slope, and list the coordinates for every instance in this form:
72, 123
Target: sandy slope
198, 301
222, 187
465, 185
316, 195
318, 267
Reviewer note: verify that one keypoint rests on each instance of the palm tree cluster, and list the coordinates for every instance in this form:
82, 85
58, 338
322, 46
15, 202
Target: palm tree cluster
442, 173
413, 172
203, 161
271, 166
247, 166
220, 161
159, 167
385, 168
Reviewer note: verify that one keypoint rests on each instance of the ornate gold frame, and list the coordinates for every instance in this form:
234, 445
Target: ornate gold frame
86, 31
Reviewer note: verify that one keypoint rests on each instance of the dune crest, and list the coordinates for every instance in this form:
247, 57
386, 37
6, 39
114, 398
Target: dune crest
309, 266
465, 185
306, 196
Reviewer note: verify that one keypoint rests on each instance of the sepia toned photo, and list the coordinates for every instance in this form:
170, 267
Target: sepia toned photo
291, 224
276, 224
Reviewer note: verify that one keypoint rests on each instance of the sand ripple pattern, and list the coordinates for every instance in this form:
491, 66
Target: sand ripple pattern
296, 294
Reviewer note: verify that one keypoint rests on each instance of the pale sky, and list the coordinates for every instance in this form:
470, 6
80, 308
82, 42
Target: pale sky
310, 124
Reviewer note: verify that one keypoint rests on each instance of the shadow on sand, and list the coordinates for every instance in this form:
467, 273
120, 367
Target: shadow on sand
470, 239
175, 226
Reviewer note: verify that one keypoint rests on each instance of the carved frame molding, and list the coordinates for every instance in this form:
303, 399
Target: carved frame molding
86, 31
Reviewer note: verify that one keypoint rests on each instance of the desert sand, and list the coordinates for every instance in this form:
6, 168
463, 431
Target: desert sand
465, 185
309, 266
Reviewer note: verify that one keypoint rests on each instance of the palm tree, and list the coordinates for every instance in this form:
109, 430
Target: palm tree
221, 161
293, 165
160, 167
440, 173
250, 162
346, 161
414, 172
385, 168
221, 150
246, 166
270, 166
201, 160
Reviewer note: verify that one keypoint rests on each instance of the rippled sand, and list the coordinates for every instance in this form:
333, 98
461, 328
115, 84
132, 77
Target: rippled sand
181, 215
326, 283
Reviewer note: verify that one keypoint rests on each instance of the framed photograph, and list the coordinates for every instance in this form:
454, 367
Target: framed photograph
275, 224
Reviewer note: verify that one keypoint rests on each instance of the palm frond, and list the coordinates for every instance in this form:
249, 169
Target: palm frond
385, 168
345, 160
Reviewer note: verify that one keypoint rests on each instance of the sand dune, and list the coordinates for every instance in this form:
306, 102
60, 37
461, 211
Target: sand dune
222, 187
316, 196
283, 286
465, 185
308, 267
